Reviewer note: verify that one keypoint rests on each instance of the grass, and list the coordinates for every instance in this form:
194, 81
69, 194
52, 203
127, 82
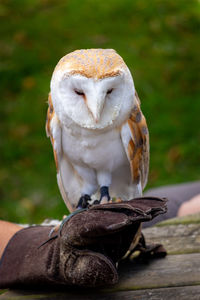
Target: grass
158, 40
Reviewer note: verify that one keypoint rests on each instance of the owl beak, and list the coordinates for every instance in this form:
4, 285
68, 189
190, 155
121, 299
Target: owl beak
95, 107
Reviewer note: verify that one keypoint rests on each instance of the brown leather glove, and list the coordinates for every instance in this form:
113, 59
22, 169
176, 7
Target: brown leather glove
84, 252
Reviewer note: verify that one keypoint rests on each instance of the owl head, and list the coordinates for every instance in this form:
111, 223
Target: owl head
92, 88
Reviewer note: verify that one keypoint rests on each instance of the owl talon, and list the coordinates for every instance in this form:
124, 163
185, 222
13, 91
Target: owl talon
105, 197
96, 202
83, 202
54, 230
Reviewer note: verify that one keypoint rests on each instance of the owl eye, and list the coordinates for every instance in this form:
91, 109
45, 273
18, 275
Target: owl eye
80, 93
109, 91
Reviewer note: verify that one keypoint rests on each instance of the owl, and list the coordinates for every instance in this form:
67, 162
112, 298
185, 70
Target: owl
98, 132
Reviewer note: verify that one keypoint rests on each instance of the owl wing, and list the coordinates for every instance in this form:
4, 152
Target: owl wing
69, 182
135, 138
53, 130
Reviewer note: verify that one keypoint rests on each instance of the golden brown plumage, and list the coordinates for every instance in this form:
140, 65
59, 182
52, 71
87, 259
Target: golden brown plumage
50, 115
138, 147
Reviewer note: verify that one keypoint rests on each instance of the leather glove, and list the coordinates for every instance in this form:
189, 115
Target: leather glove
85, 251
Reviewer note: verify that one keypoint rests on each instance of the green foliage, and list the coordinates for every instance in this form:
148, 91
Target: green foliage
158, 40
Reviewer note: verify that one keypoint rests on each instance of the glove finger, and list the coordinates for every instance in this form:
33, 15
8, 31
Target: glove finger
92, 224
110, 228
87, 268
148, 207
107, 232
105, 219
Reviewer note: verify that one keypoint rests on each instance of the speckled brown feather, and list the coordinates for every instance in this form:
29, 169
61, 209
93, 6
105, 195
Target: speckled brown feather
92, 63
138, 147
50, 115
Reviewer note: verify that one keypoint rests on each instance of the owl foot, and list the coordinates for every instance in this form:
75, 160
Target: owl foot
105, 197
83, 202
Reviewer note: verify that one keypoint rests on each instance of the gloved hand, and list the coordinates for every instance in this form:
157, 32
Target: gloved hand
85, 251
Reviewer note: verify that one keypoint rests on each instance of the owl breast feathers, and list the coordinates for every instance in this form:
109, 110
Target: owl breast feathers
98, 132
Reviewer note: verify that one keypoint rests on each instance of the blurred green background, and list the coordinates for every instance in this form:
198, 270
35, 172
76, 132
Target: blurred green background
159, 41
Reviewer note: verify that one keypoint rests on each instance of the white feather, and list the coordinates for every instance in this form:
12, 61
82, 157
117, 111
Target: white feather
56, 133
126, 136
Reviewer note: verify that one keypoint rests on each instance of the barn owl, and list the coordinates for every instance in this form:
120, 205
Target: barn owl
98, 132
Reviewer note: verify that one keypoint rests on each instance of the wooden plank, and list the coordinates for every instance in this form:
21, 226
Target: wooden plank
177, 239
177, 293
173, 270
